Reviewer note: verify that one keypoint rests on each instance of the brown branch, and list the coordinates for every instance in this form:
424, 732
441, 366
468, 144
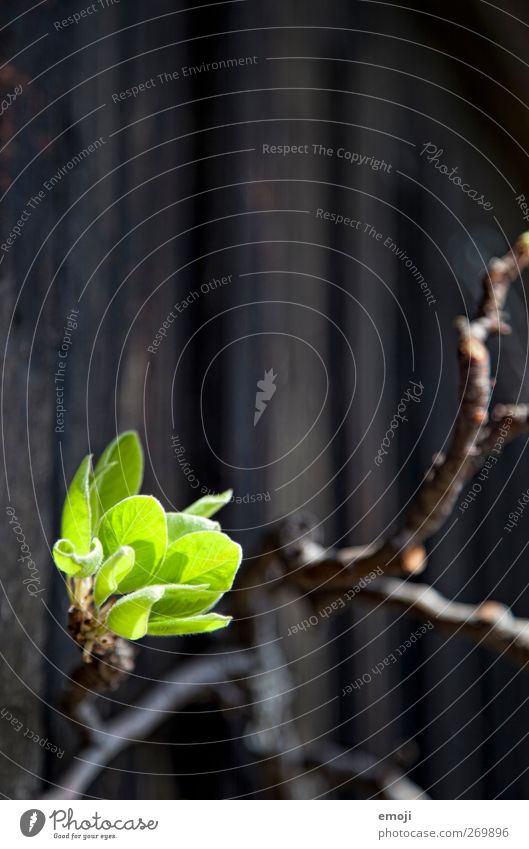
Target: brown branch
490, 623
107, 670
380, 777
508, 422
107, 659
436, 497
328, 569
403, 552
316, 568
134, 724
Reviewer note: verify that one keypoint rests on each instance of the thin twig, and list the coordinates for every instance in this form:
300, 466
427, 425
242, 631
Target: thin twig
359, 766
403, 552
135, 723
436, 497
490, 623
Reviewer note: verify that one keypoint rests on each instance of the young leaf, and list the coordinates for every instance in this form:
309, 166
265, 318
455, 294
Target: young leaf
76, 524
78, 565
180, 524
203, 557
124, 479
95, 481
112, 572
140, 523
130, 615
209, 504
181, 600
189, 625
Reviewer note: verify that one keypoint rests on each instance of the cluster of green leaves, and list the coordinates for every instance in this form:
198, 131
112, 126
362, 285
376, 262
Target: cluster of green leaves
170, 569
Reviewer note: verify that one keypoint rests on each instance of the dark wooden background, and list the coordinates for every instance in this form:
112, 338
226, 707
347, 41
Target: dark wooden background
181, 193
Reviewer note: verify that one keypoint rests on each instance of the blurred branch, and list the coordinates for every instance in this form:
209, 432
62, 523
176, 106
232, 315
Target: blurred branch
490, 623
508, 422
359, 766
108, 667
135, 723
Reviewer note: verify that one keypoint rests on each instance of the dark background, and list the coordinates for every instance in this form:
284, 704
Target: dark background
181, 193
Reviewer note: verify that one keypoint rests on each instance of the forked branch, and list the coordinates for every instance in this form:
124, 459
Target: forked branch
403, 553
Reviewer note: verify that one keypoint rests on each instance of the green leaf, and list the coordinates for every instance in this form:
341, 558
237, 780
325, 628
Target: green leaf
190, 625
95, 481
76, 524
209, 505
181, 600
78, 565
203, 557
125, 478
180, 524
140, 522
112, 572
129, 617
